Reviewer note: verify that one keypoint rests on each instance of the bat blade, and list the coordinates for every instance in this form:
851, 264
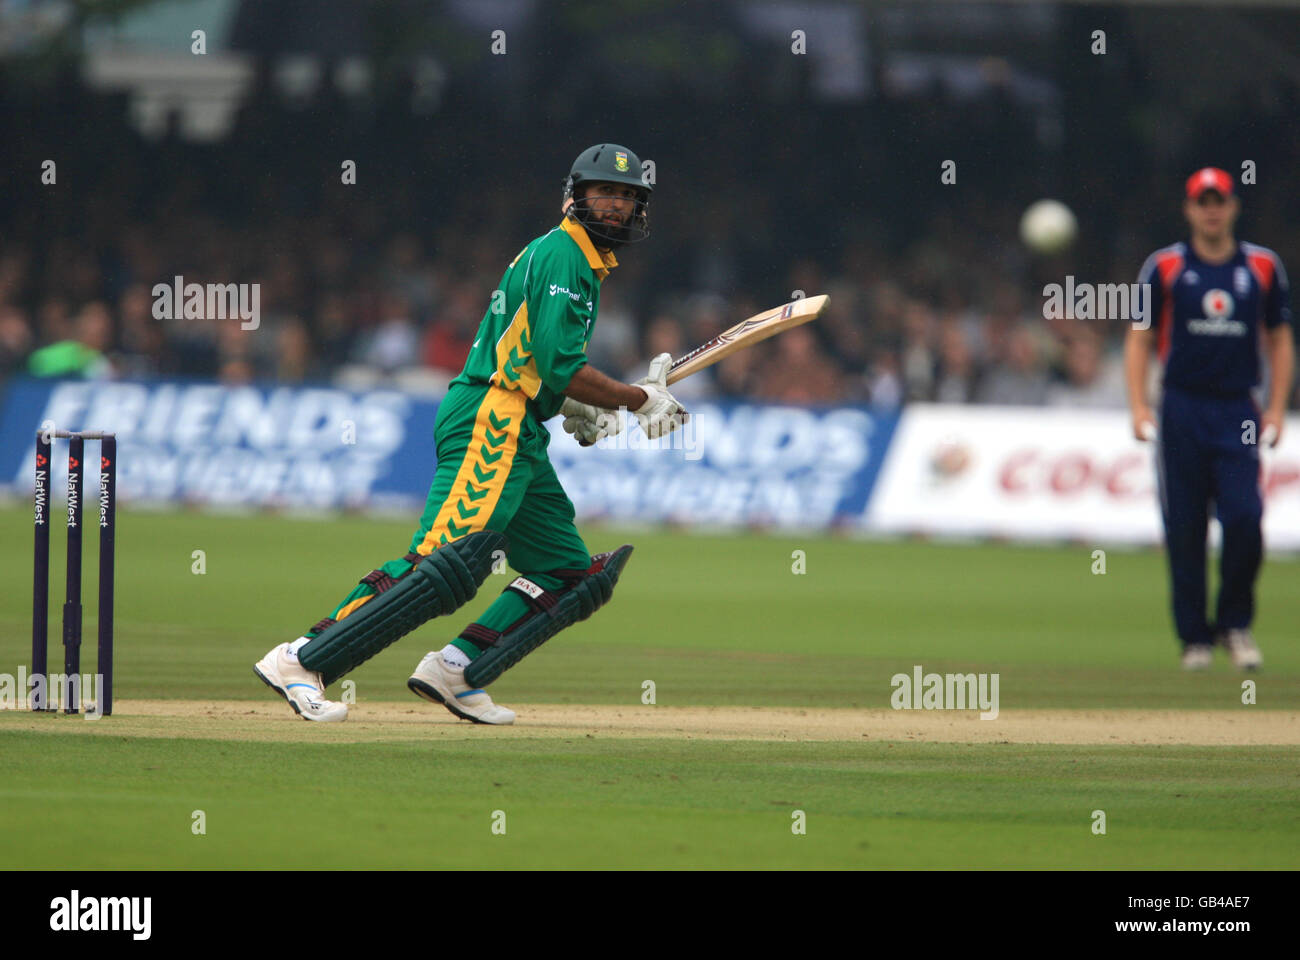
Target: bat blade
748, 332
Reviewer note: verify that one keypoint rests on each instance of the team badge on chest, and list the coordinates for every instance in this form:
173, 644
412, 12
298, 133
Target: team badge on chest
1217, 304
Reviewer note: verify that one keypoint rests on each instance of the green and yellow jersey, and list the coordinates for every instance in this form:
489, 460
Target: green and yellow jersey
493, 472
533, 338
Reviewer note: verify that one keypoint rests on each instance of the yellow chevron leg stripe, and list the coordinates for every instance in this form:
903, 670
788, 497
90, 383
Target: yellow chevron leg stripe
482, 475
349, 608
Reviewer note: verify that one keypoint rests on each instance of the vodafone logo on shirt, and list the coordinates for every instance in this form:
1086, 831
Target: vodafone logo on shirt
1217, 304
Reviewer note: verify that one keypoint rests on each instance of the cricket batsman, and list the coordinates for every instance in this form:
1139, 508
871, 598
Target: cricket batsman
495, 495
1215, 303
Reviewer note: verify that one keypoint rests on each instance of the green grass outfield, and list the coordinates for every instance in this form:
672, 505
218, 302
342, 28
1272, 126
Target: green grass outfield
713, 621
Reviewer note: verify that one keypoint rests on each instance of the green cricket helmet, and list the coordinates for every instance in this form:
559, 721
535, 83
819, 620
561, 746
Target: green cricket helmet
609, 163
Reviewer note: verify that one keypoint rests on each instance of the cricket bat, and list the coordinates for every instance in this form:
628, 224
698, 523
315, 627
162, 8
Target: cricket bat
747, 333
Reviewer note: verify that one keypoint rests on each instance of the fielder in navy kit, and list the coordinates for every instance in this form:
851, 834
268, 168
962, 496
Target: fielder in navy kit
1214, 303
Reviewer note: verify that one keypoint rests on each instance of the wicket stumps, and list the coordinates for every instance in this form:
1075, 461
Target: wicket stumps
72, 608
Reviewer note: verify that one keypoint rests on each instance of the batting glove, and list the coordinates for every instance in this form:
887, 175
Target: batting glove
588, 423
661, 414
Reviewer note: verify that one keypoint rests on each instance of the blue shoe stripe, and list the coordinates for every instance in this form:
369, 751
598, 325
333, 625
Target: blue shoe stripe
467, 693
309, 686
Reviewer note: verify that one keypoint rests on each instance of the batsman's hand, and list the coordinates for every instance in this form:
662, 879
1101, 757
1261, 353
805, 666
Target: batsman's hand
588, 423
661, 414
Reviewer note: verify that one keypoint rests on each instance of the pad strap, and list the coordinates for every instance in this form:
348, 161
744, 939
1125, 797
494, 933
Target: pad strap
378, 580
534, 594
479, 635
584, 592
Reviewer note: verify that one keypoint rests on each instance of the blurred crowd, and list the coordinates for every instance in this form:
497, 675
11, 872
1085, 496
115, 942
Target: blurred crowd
933, 297
409, 315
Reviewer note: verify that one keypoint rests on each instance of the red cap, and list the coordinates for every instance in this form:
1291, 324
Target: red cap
1209, 178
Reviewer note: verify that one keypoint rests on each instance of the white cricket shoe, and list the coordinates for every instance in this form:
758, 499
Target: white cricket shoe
439, 682
1197, 656
300, 686
1241, 647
